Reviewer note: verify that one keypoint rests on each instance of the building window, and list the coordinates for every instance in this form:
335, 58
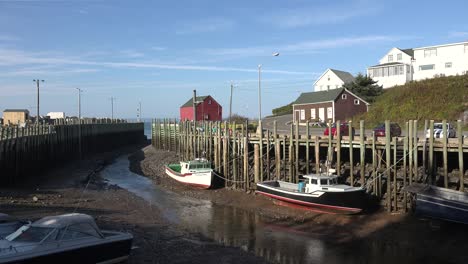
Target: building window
328, 87
390, 58
399, 57
328, 77
302, 114
448, 65
209, 101
330, 112
385, 72
344, 96
401, 70
426, 67
391, 71
430, 53
312, 113
357, 102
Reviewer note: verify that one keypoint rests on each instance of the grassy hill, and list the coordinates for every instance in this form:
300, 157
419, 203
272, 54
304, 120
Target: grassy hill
437, 99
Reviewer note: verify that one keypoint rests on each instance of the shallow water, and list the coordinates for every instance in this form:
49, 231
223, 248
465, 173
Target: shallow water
276, 242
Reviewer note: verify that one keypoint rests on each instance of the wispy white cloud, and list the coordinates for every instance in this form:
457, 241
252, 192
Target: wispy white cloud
205, 26
10, 57
304, 47
132, 53
458, 34
321, 15
158, 48
46, 72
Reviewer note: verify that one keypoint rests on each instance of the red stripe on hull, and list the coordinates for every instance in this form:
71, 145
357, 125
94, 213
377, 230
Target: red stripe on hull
337, 208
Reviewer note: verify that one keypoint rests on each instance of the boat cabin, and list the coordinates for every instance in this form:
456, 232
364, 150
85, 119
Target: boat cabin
197, 165
315, 182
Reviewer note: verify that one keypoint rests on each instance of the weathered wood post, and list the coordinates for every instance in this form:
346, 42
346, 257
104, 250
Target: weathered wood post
362, 160
277, 152
338, 148
317, 154
424, 153
460, 155
444, 150
260, 142
246, 157
291, 155
296, 154
431, 152
409, 134
268, 155
405, 152
330, 146
351, 161
395, 161
388, 161
415, 153
374, 165
307, 148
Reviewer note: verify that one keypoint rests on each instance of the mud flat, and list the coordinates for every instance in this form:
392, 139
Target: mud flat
157, 241
367, 238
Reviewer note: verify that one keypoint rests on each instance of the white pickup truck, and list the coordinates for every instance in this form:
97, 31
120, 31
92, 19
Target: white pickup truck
439, 133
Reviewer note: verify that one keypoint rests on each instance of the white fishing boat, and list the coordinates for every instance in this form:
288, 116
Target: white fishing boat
196, 173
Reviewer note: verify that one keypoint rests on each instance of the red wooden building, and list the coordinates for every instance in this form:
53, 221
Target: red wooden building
207, 109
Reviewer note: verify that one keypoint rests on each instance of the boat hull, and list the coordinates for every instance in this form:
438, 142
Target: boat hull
440, 203
110, 252
200, 180
328, 202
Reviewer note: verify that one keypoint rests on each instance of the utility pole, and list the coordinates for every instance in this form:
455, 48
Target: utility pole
112, 108
230, 104
259, 93
79, 123
37, 85
194, 104
139, 112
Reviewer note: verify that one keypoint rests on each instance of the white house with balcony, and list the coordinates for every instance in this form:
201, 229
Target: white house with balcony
332, 79
399, 66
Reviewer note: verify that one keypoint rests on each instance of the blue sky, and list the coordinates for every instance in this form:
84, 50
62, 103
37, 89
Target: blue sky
157, 52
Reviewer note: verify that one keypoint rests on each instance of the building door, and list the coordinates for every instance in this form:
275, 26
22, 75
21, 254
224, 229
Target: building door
322, 114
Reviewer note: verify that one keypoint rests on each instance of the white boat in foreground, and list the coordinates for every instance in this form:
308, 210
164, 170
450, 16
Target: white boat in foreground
196, 173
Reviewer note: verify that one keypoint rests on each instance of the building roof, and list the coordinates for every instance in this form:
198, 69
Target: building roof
410, 52
16, 110
346, 77
323, 96
387, 64
198, 99
318, 97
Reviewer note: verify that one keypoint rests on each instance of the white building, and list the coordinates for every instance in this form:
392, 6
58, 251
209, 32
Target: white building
332, 79
56, 115
399, 66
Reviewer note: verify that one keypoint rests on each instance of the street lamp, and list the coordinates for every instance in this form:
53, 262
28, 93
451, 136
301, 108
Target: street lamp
275, 54
79, 123
37, 85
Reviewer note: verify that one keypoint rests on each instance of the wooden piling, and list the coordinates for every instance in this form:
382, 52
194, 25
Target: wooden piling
362, 159
307, 148
351, 160
444, 151
431, 152
388, 162
460, 155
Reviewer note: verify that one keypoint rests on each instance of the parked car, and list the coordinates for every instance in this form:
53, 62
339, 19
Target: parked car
344, 130
395, 130
439, 133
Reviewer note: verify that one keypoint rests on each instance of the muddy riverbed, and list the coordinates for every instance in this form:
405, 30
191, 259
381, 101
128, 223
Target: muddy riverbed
173, 223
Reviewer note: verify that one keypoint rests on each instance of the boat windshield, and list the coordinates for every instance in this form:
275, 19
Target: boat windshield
200, 166
30, 234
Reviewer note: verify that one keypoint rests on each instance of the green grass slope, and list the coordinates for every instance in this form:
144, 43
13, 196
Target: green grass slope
437, 99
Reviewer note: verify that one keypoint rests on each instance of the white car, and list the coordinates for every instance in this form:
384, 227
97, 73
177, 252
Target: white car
439, 133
